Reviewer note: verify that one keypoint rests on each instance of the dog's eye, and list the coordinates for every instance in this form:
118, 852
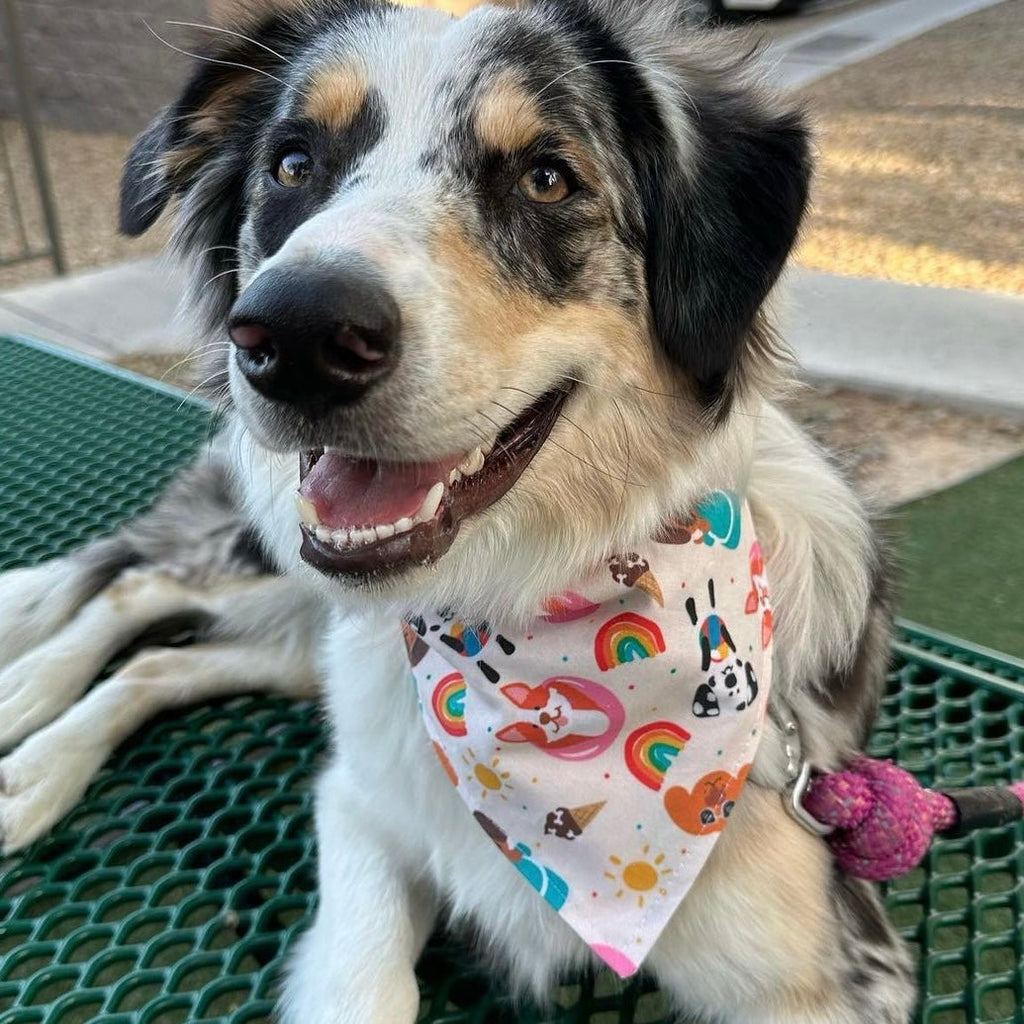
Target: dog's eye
294, 169
545, 183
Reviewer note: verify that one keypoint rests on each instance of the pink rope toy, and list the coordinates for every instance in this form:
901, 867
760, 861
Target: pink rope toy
884, 819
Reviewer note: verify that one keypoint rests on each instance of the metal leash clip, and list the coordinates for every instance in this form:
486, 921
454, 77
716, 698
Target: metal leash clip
798, 775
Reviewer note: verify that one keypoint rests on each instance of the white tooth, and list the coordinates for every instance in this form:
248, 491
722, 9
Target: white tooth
454, 476
307, 510
430, 503
403, 525
368, 536
472, 463
339, 538
322, 533
385, 532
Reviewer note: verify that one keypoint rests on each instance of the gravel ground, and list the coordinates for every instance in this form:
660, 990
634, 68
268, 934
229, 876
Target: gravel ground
85, 168
896, 451
921, 154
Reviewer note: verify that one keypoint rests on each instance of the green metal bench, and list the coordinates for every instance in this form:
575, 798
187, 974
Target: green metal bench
174, 891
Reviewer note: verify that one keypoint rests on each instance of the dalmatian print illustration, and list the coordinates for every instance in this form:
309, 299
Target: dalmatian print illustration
731, 684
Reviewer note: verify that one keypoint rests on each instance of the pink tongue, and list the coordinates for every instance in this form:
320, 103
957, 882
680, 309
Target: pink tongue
359, 493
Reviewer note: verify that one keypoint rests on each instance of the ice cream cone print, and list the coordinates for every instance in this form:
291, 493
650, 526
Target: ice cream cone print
569, 822
583, 816
648, 583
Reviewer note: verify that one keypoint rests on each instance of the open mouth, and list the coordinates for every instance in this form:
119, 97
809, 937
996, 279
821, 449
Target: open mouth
362, 517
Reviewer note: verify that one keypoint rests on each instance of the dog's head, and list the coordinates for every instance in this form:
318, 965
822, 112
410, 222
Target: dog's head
497, 282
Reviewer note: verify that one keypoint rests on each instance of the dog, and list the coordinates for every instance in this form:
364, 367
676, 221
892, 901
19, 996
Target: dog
496, 290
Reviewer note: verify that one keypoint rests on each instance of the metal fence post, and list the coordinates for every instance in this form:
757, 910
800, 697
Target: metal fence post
26, 108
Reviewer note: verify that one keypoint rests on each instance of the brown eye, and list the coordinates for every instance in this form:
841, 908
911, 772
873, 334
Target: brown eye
294, 169
545, 184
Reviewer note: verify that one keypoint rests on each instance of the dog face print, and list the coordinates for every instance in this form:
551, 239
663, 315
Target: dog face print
566, 717
758, 599
731, 682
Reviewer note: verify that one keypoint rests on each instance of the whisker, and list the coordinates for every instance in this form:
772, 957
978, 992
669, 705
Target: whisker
629, 457
498, 428
579, 458
214, 248
202, 384
657, 72
223, 273
199, 353
214, 60
230, 32
482, 437
536, 398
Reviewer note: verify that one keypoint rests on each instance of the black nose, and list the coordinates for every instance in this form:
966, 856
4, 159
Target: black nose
315, 336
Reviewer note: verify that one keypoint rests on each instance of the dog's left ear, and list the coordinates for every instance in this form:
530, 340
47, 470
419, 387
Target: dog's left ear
722, 167
722, 212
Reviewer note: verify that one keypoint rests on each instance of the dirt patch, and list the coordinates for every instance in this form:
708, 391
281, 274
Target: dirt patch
897, 450
921, 150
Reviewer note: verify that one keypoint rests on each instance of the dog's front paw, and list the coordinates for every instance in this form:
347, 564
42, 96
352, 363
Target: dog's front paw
33, 692
332, 983
42, 780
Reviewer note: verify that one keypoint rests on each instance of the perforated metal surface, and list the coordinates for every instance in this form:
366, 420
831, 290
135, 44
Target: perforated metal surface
172, 892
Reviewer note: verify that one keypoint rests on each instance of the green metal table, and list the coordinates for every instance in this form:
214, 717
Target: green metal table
173, 892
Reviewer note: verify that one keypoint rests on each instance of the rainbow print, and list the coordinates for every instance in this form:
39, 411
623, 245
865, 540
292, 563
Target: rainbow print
627, 637
651, 749
449, 704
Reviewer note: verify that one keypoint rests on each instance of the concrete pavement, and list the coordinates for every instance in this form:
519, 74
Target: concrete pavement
123, 309
841, 37
963, 348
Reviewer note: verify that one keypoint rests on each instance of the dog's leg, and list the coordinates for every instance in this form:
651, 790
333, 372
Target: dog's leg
770, 934
36, 602
47, 775
377, 907
46, 680
356, 965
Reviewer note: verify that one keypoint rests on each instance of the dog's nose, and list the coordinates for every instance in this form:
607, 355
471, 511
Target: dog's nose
315, 336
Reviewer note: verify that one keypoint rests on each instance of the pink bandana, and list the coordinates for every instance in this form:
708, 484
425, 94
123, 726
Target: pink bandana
603, 748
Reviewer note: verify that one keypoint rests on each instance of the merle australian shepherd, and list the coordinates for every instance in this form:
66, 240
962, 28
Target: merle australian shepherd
550, 233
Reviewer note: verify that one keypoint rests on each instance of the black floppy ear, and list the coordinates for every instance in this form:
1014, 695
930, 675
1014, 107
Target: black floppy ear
199, 151
721, 166
721, 221
145, 186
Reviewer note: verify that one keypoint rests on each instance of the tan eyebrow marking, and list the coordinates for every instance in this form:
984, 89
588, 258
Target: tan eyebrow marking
336, 95
508, 117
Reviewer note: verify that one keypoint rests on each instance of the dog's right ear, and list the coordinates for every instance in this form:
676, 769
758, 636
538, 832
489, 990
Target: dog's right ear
211, 123
146, 187
198, 151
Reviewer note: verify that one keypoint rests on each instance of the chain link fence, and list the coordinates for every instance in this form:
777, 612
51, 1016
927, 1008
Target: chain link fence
78, 79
